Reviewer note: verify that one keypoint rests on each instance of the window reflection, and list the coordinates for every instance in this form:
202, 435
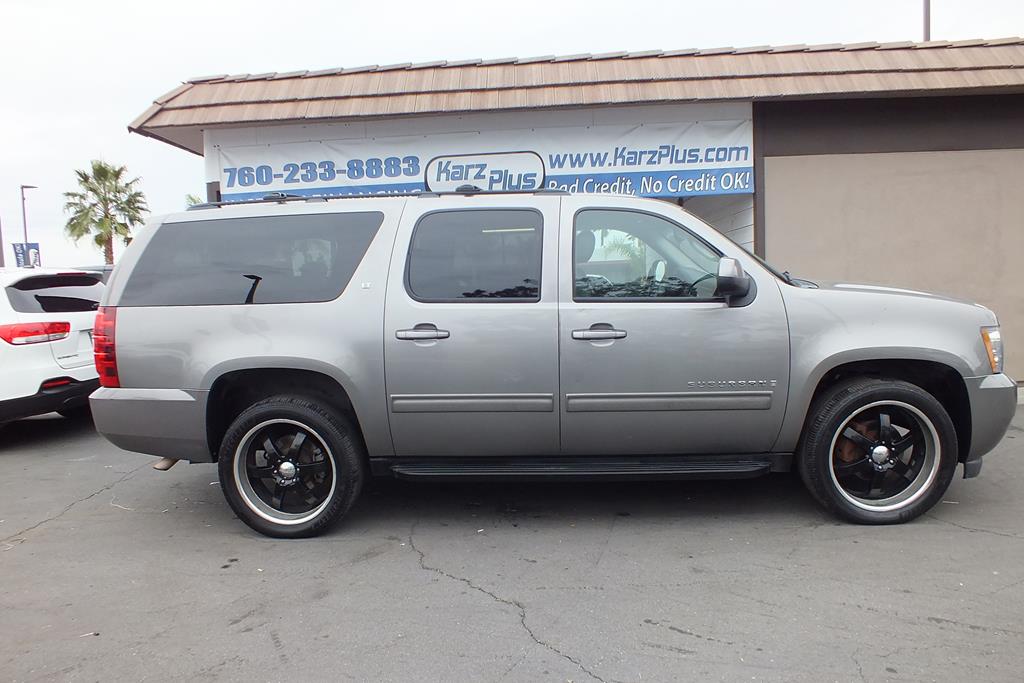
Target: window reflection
476, 254
628, 254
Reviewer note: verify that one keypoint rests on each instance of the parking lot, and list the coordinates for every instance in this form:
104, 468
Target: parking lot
113, 571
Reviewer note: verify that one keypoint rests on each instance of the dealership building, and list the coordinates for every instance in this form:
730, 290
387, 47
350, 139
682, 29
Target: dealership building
899, 164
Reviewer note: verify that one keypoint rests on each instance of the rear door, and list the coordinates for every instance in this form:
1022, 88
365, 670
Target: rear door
471, 328
64, 297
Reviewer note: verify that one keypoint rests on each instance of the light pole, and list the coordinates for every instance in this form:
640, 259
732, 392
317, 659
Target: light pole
24, 223
927, 20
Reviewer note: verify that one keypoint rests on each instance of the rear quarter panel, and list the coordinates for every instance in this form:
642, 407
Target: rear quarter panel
189, 347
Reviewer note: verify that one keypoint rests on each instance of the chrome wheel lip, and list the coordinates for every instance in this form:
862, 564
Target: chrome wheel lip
921, 483
253, 501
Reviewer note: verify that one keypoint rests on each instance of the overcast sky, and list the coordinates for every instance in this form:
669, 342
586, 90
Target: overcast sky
74, 74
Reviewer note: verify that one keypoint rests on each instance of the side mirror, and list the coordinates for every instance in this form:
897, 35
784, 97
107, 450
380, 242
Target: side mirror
732, 281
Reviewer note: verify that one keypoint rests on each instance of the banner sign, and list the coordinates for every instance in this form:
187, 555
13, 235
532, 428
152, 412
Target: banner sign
650, 160
26, 254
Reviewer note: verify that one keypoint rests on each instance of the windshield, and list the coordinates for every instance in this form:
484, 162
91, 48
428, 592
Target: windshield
782, 275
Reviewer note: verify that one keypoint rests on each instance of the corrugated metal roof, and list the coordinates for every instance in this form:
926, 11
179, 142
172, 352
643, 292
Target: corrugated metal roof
792, 71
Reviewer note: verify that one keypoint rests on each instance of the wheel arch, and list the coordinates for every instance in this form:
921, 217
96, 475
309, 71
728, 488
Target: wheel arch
940, 379
234, 390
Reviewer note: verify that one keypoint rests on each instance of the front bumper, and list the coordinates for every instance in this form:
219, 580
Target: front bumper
167, 422
63, 397
993, 401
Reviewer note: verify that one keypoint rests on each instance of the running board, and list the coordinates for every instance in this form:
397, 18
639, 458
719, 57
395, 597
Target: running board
611, 469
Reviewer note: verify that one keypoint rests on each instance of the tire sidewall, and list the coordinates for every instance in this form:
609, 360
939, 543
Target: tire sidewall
342, 445
832, 411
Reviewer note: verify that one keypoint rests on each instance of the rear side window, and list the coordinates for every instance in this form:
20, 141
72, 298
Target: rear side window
477, 254
265, 260
56, 294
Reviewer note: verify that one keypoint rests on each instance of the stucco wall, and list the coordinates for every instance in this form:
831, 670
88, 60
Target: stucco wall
949, 222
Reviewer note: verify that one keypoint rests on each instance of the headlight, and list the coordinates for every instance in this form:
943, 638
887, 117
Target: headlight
994, 345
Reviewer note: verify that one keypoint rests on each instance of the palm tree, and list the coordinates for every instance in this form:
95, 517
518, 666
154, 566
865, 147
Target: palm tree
106, 206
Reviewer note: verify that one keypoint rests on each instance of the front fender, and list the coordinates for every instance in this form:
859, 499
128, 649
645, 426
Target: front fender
804, 384
834, 327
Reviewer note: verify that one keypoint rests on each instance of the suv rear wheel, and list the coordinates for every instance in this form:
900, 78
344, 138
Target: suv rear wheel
289, 466
878, 451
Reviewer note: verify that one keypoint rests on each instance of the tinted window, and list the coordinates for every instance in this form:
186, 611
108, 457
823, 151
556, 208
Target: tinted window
56, 294
629, 254
266, 260
482, 254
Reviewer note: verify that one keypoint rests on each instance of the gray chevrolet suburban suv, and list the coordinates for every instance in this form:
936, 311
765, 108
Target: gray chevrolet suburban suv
305, 344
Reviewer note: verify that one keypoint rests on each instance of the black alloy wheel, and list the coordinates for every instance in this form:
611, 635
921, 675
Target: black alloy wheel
877, 451
290, 466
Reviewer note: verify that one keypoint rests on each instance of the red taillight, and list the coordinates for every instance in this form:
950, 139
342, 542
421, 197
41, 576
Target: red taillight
103, 346
34, 333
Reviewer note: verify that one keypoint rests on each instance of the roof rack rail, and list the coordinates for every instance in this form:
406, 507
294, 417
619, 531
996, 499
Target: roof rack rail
270, 197
282, 197
279, 197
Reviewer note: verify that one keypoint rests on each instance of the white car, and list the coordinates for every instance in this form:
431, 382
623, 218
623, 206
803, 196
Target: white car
46, 354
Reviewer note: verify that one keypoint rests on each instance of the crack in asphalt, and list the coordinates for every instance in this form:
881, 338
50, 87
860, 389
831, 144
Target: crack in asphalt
518, 606
17, 535
1009, 585
1004, 534
860, 669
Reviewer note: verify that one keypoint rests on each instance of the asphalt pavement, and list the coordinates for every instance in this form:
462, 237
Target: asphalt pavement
110, 570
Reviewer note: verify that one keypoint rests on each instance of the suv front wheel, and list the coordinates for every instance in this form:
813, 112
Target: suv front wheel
878, 451
289, 466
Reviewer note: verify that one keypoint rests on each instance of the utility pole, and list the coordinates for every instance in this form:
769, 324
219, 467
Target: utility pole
927, 20
24, 223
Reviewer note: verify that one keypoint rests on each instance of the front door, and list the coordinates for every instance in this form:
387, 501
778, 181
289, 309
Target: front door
652, 362
471, 329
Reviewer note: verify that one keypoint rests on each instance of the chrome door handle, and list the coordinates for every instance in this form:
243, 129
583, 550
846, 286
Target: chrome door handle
599, 331
421, 332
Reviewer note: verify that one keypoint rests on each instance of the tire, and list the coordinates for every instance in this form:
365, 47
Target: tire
855, 459
291, 487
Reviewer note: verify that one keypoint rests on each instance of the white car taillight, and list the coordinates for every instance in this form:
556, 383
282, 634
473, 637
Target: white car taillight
34, 333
